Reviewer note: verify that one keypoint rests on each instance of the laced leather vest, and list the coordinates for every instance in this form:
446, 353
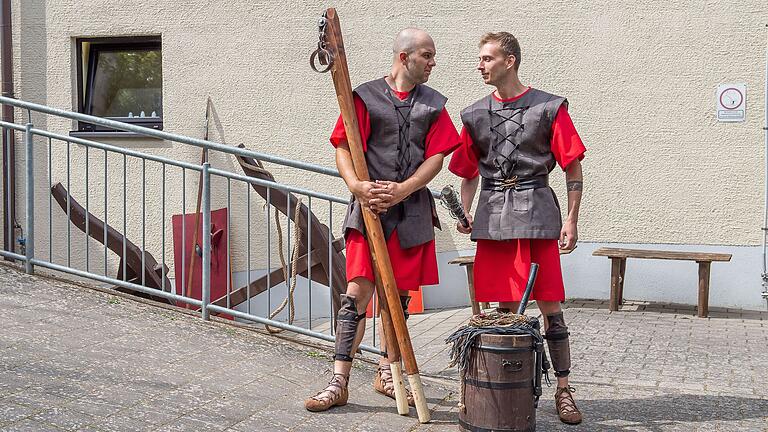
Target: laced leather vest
512, 140
395, 149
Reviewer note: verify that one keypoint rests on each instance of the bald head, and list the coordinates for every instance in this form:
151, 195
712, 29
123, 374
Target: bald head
413, 56
410, 39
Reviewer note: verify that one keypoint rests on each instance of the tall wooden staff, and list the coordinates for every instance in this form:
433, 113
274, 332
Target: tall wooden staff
203, 159
331, 53
393, 349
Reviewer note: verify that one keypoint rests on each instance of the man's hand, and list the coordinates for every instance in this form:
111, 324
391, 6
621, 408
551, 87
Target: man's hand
460, 228
568, 235
363, 192
387, 194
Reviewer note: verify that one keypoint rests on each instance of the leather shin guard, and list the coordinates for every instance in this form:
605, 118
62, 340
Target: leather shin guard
405, 301
559, 346
347, 323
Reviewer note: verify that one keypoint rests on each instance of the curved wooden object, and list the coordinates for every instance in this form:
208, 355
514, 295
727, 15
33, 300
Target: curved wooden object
319, 238
153, 273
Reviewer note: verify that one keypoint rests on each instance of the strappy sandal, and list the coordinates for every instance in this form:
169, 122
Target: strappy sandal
384, 384
566, 406
335, 394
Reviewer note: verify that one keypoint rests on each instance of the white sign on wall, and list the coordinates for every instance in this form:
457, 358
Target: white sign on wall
731, 102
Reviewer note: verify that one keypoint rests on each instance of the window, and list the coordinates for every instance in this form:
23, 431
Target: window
120, 79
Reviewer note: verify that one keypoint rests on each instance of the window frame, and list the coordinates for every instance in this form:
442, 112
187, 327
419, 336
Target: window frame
85, 80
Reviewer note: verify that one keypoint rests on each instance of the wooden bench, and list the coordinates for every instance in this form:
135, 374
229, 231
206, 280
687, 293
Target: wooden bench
619, 257
468, 261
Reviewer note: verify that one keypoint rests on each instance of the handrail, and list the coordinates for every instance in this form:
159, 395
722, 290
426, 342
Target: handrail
141, 130
127, 127
275, 185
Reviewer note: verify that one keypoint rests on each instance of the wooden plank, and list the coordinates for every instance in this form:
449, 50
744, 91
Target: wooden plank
276, 277
258, 286
658, 254
470, 259
463, 260
319, 232
153, 275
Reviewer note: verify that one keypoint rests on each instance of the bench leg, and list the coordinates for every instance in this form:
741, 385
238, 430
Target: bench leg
615, 283
471, 286
622, 269
704, 288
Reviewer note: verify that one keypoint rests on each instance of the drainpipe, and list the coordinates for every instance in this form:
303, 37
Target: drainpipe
765, 222
9, 149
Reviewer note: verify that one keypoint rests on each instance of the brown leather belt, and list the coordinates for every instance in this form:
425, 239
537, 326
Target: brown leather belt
516, 183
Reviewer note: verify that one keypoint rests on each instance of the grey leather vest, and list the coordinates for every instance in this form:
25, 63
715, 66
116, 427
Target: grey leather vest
395, 149
513, 139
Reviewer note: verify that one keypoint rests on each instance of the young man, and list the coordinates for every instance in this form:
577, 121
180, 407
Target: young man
406, 133
512, 138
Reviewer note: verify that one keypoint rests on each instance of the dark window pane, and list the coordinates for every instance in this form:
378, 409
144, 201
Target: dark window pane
127, 83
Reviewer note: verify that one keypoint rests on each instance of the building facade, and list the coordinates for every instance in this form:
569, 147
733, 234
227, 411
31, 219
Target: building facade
660, 172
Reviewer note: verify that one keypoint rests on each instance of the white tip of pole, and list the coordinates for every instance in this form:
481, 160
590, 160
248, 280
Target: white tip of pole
418, 395
401, 397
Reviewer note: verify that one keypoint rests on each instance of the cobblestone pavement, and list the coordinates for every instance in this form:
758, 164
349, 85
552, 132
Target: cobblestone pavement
73, 358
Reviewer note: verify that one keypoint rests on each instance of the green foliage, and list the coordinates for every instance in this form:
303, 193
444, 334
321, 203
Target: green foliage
128, 81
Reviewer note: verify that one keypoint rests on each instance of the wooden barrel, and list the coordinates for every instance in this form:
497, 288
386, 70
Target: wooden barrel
499, 385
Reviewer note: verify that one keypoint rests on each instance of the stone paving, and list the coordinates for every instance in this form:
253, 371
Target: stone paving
75, 358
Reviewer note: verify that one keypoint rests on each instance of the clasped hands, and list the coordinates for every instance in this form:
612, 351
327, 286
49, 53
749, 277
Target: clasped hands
379, 195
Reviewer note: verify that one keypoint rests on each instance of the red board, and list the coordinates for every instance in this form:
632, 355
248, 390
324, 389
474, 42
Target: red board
220, 280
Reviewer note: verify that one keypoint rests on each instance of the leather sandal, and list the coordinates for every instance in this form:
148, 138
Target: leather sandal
335, 394
566, 406
384, 384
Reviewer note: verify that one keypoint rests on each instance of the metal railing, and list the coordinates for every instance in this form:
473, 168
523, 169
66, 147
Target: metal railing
116, 157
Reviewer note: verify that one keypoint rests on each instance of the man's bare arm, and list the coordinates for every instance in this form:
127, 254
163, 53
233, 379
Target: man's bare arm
468, 189
574, 182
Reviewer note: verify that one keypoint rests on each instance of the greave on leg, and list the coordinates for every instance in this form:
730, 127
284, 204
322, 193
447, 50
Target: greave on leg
559, 345
347, 323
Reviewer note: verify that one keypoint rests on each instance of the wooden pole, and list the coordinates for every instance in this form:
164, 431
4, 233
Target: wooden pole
203, 159
343, 85
393, 349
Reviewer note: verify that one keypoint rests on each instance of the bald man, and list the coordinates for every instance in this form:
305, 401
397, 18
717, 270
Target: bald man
406, 132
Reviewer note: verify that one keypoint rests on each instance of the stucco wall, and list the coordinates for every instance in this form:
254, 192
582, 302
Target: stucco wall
640, 78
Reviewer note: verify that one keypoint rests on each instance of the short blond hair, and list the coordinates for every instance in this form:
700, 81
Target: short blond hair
508, 43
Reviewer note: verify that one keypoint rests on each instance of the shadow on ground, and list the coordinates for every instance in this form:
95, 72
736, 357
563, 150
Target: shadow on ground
660, 413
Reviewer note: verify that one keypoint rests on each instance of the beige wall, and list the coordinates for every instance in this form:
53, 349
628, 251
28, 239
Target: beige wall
640, 79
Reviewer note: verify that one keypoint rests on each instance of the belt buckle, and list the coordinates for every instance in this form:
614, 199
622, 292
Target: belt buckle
509, 183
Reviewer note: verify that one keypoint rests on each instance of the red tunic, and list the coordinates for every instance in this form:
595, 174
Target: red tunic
501, 267
414, 266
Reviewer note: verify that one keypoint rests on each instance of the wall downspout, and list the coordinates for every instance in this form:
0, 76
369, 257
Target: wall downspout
9, 149
765, 222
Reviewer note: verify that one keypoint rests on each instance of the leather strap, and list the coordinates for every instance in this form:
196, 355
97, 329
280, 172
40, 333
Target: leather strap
515, 183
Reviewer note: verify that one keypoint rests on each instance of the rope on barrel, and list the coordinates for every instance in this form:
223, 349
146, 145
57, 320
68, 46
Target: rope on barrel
500, 323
